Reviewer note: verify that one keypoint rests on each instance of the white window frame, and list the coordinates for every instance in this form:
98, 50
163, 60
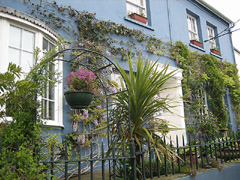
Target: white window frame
211, 35
133, 7
5, 21
21, 49
192, 28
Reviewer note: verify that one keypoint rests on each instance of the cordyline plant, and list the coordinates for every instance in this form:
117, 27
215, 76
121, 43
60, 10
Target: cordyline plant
143, 103
81, 80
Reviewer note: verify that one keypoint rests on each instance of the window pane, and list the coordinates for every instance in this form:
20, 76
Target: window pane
15, 37
51, 91
136, 6
28, 41
45, 45
44, 110
14, 56
26, 61
51, 110
50, 46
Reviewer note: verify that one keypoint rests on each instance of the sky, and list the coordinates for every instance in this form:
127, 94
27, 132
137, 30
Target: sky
231, 9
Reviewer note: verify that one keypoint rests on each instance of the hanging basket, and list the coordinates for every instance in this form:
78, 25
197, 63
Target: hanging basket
78, 99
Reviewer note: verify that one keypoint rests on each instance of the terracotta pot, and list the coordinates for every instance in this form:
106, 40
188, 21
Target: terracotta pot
215, 51
139, 18
196, 43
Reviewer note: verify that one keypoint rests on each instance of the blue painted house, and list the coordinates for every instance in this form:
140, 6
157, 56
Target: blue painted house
23, 28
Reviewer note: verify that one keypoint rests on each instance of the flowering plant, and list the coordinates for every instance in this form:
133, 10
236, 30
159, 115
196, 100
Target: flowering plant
81, 80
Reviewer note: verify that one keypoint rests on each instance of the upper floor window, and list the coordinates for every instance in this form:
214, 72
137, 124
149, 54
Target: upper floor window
136, 6
211, 35
213, 42
136, 9
192, 28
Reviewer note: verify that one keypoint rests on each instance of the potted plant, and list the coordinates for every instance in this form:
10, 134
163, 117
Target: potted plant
215, 50
196, 42
81, 86
139, 17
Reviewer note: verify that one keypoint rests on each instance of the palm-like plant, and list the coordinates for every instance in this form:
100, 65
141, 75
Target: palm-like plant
142, 103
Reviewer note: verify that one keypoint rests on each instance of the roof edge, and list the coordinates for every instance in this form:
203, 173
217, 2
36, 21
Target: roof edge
28, 18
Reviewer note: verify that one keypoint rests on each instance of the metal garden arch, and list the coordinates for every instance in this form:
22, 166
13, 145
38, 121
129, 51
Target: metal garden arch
71, 60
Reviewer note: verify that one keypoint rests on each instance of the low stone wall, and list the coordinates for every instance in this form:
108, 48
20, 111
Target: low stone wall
228, 173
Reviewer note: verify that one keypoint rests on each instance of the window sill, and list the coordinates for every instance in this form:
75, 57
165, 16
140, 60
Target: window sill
215, 55
138, 23
45, 122
199, 48
48, 123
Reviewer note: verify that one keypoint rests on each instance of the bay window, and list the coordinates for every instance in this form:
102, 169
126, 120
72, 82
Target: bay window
18, 39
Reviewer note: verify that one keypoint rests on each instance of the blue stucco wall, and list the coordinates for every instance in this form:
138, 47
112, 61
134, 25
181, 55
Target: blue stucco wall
228, 173
168, 22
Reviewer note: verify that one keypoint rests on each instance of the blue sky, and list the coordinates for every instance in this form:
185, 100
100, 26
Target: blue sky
229, 8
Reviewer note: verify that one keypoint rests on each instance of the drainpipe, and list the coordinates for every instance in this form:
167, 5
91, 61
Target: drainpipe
169, 21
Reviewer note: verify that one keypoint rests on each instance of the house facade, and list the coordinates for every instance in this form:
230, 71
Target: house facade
194, 22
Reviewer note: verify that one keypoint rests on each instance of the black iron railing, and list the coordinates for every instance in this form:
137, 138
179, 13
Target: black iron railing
197, 153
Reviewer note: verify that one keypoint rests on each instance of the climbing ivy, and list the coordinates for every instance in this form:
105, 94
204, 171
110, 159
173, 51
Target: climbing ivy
205, 74
105, 37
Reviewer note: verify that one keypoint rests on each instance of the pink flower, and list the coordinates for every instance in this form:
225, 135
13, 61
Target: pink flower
90, 79
106, 84
95, 122
100, 92
81, 139
85, 113
113, 89
81, 80
75, 127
